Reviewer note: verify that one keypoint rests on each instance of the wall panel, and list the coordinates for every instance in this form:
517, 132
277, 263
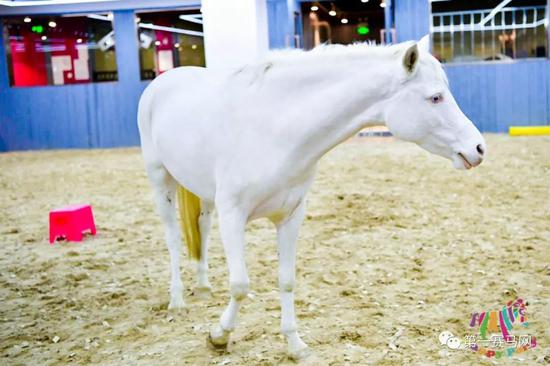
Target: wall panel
496, 95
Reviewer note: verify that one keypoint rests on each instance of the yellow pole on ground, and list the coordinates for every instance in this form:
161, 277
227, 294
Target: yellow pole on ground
529, 130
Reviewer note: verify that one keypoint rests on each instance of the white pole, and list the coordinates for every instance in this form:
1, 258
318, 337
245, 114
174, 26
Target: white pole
235, 32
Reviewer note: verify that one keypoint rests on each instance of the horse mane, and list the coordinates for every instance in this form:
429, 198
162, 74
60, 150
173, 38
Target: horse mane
322, 52
339, 52
253, 73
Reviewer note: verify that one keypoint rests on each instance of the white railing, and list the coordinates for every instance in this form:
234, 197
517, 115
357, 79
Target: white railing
485, 20
489, 34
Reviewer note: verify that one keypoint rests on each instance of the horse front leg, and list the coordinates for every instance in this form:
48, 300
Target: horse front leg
287, 234
232, 226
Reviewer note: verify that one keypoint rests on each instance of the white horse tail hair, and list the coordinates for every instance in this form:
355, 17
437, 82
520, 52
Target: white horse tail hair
190, 209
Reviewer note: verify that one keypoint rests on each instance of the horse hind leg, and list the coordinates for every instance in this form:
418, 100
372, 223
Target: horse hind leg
164, 188
205, 224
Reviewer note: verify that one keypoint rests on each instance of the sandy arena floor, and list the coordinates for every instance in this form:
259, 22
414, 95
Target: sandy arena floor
397, 247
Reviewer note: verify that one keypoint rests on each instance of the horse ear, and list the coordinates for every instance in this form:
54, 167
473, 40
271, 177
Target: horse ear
410, 60
424, 43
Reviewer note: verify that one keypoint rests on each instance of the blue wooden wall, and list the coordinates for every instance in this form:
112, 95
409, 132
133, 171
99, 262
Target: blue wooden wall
497, 95
81, 115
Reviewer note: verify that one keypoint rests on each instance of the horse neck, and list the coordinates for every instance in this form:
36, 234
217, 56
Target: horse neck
334, 104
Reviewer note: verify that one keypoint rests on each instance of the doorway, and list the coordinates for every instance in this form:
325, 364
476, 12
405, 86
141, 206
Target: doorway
342, 22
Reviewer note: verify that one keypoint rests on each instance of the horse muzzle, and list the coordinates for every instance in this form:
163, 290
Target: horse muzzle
467, 159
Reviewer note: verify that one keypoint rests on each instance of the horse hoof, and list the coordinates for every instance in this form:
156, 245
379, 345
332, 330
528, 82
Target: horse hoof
203, 291
218, 337
176, 303
299, 354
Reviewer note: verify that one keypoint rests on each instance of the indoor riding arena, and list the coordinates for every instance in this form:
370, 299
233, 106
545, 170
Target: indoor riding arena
404, 257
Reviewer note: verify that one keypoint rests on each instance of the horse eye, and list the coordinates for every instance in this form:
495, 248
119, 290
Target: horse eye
437, 98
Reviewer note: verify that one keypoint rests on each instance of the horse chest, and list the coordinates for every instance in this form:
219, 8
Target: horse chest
283, 202
278, 206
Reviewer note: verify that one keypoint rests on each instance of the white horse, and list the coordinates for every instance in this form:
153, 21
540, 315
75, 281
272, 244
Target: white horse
248, 141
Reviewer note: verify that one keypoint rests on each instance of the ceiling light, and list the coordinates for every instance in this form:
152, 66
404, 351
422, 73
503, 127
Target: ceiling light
177, 45
314, 8
157, 43
383, 4
344, 21
44, 38
27, 20
364, 1
332, 11
52, 24
79, 40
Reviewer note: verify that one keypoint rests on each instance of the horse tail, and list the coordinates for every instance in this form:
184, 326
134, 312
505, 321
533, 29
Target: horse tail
190, 208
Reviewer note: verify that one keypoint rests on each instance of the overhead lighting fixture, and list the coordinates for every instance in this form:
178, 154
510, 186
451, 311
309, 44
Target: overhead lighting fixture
145, 40
52, 24
99, 17
332, 11
193, 18
79, 40
177, 45
383, 4
43, 38
157, 43
344, 21
107, 41
314, 8
364, 1
193, 46
27, 20
170, 29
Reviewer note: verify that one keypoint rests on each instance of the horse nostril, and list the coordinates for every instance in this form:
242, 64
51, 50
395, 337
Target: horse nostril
479, 149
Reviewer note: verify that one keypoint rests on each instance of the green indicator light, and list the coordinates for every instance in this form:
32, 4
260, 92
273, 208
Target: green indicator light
363, 30
37, 29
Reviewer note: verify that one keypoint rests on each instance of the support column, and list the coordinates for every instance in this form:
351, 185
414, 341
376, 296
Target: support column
129, 87
127, 48
548, 29
388, 20
235, 32
412, 19
4, 79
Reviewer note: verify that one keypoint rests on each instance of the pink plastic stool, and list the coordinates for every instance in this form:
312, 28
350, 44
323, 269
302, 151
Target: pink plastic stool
70, 221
